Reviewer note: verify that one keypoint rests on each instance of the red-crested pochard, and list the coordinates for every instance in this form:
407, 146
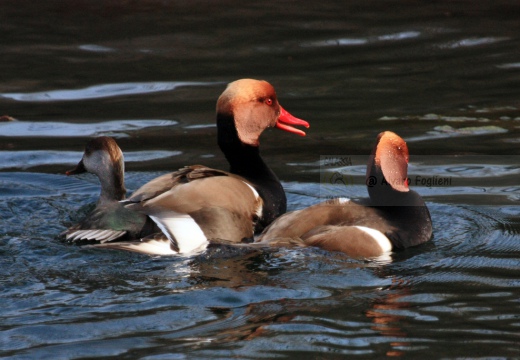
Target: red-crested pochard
394, 217
197, 204
109, 220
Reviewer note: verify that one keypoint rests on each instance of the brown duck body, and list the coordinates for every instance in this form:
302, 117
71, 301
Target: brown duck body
394, 217
197, 204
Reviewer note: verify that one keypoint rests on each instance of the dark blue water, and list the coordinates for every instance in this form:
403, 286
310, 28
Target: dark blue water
444, 75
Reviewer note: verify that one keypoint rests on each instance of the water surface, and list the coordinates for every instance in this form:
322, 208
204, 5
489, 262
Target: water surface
444, 75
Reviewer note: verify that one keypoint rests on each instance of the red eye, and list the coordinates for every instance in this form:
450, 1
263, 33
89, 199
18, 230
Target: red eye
269, 101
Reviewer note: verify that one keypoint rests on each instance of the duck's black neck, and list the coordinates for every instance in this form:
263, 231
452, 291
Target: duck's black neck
382, 191
245, 160
404, 209
112, 186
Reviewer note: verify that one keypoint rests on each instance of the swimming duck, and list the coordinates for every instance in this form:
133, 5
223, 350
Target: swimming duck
109, 220
394, 217
197, 204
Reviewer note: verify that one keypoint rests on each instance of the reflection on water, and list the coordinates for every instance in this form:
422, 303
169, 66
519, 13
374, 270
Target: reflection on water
473, 42
349, 42
385, 314
100, 91
443, 75
118, 128
27, 159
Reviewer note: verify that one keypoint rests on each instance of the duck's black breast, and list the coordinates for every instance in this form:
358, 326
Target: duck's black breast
406, 224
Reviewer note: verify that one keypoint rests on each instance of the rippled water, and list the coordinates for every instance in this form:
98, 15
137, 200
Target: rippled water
444, 75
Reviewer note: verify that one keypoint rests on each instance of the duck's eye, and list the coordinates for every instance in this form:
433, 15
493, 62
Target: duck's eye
269, 101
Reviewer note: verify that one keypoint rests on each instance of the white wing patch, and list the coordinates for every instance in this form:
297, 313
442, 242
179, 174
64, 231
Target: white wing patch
182, 230
101, 235
379, 237
149, 247
259, 208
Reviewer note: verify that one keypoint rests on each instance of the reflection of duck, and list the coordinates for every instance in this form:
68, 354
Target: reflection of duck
6, 118
378, 313
384, 313
109, 220
394, 217
196, 203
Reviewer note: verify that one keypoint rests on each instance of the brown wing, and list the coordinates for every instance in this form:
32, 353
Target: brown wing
166, 182
332, 212
223, 206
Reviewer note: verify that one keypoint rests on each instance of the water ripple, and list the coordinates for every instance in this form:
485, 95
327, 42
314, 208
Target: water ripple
470, 42
102, 91
446, 131
404, 35
509, 66
96, 48
31, 158
116, 128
